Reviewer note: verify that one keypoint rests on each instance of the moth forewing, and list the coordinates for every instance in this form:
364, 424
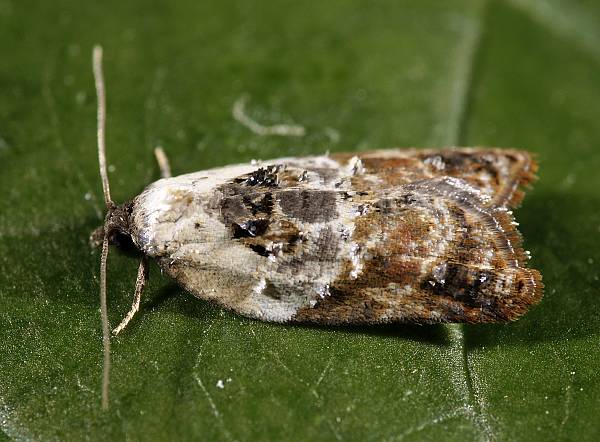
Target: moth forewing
317, 239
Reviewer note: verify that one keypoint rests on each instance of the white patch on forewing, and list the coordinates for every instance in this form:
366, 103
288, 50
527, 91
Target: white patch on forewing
323, 291
355, 166
170, 205
486, 257
356, 260
436, 162
260, 287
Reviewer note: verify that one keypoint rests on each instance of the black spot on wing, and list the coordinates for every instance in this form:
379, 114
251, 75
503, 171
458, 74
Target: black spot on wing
259, 249
250, 228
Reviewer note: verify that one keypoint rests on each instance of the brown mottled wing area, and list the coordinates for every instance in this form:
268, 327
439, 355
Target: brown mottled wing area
442, 255
499, 173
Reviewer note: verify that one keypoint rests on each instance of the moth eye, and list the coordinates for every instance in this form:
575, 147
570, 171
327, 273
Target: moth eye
123, 241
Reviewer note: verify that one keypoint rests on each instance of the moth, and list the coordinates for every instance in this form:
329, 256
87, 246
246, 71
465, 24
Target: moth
389, 236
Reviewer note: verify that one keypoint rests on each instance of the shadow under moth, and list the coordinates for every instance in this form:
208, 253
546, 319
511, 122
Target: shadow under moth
389, 236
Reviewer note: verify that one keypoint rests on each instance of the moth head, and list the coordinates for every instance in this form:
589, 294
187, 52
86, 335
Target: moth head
117, 228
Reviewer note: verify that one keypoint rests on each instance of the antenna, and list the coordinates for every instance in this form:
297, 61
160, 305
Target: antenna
100, 93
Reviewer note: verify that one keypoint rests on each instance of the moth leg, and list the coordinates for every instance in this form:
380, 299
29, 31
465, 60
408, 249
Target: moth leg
163, 162
140, 282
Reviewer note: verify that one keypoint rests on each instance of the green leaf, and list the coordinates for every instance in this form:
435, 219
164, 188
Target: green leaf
357, 75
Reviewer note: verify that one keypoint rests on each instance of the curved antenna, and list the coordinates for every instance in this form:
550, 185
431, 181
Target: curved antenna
99, 80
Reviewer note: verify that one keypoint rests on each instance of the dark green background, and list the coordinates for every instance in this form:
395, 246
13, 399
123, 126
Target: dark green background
357, 75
